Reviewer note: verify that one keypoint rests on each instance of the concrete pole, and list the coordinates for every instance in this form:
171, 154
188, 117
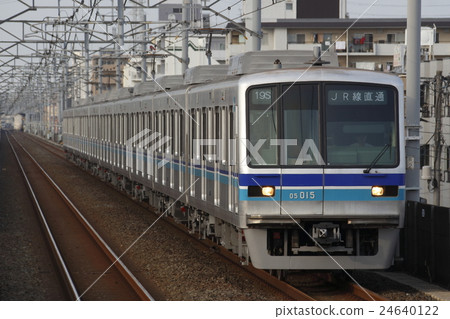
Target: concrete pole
162, 45
100, 72
120, 43
86, 53
254, 24
413, 25
144, 49
437, 141
187, 4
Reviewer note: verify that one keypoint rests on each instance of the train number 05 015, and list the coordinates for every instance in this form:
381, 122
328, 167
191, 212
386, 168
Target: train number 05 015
302, 195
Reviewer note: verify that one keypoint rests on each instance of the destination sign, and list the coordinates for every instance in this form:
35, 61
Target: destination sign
357, 97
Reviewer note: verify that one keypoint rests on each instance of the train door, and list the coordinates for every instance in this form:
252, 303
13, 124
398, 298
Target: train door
117, 139
231, 137
181, 150
300, 157
263, 184
158, 150
149, 151
221, 157
194, 159
109, 146
120, 144
176, 158
170, 150
205, 160
165, 165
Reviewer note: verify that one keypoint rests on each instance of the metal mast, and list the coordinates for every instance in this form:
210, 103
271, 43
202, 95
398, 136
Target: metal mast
412, 179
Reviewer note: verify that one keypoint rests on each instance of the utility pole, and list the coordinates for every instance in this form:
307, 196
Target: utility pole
187, 4
208, 50
254, 25
100, 71
144, 50
412, 120
437, 141
162, 46
119, 43
86, 53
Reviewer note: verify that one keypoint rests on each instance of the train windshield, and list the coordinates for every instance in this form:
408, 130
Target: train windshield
359, 125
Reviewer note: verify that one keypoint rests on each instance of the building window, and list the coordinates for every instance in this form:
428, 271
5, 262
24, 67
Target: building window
237, 38
296, 38
265, 39
289, 6
362, 43
424, 155
448, 158
177, 10
390, 38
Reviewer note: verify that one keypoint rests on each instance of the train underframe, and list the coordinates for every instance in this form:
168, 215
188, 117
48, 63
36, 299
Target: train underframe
196, 221
303, 244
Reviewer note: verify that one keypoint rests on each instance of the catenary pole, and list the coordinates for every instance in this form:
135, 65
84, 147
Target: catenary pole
413, 24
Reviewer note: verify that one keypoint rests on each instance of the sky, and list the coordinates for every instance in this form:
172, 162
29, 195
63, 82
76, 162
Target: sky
379, 8
397, 9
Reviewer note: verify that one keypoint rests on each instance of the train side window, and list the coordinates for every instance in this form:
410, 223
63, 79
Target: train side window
145, 121
163, 128
127, 127
204, 136
211, 134
141, 122
108, 127
173, 132
193, 137
105, 127
135, 127
181, 134
138, 124
157, 126
224, 141
232, 144
218, 135
150, 123
118, 129
175, 128
168, 147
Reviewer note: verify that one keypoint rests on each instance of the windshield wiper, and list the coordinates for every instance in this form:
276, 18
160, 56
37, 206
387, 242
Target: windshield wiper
375, 161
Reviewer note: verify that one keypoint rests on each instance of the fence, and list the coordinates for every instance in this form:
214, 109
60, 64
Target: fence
426, 242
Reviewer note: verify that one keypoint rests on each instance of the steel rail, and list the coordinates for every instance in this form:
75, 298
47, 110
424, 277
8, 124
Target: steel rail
70, 286
116, 262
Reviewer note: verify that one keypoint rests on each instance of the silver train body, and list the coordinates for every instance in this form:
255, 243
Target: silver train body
271, 164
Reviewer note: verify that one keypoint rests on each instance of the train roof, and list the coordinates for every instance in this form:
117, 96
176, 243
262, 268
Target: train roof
245, 66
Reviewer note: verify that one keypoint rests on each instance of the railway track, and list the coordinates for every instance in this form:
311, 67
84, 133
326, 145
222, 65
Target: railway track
326, 286
91, 270
298, 285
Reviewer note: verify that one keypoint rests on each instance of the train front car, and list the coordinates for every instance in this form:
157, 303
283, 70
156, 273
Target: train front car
322, 168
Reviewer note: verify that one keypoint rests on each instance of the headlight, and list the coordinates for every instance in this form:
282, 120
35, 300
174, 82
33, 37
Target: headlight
268, 191
377, 191
261, 191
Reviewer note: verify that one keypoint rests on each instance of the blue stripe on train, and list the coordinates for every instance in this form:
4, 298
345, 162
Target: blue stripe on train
318, 179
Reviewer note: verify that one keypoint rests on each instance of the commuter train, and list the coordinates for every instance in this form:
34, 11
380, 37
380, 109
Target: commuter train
290, 168
12, 122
